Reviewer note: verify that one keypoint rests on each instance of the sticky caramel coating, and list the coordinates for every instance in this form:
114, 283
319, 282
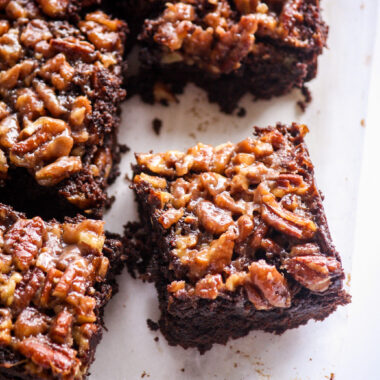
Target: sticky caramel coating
218, 35
51, 75
48, 278
240, 215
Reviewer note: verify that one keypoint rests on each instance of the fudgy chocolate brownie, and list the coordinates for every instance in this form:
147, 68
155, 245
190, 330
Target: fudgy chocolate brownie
60, 89
228, 47
55, 280
235, 238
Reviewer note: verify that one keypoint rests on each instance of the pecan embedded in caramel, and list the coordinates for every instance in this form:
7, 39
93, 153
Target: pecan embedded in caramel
314, 272
24, 240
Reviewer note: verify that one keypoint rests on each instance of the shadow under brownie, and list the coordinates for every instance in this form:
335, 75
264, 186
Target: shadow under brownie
235, 238
60, 90
55, 280
228, 48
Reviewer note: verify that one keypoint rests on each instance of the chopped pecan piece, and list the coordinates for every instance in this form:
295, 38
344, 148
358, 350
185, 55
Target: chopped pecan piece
57, 171
30, 323
212, 218
60, 359
213, 258
314, 272
270, 283
60, 331
209, 286
176, 286
283, 220
89, 233
170, 217
24, 240
5, 326
46, 139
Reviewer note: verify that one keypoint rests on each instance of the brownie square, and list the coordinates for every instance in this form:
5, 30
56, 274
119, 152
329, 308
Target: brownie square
229, 48
60, 90
55, 280
235, 238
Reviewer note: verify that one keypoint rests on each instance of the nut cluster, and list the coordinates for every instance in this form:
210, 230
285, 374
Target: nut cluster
241, 215
217, 36
49, 74
48, 277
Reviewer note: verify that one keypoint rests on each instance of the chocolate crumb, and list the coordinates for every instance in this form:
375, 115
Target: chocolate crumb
152, 325
242, 112
183, 369
307, 98
124, 148
156, 339
145, 374
235, 365
157, 125
109, 202
332, 376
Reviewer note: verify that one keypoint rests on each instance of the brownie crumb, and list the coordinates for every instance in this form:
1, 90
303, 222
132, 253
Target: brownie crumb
145, 374
156, 339
109, 202
332, 376
242, 112
182, 369
124, 148
157, 125
307, 98
152, 325
235, 365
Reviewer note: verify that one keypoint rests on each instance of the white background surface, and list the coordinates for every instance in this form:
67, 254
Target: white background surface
346, 343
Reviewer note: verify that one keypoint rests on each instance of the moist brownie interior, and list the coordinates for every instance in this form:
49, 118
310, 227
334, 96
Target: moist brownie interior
235, 238
55, 280
60, 90
228, 47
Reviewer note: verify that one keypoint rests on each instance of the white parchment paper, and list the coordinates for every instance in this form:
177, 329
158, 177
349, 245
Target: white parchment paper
335, 118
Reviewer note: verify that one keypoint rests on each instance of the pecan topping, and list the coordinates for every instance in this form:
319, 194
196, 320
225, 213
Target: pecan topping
239, 215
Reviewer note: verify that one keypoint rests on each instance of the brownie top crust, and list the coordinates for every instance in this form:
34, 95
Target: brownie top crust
59, 93
240, 215
217, 36
51, 291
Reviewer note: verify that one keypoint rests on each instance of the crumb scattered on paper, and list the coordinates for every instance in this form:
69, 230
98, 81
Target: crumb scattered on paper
152, 325
362, 122
157, 125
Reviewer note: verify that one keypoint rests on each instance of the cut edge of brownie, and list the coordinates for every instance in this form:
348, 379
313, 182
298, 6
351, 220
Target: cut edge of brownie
191, 321
104, 291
